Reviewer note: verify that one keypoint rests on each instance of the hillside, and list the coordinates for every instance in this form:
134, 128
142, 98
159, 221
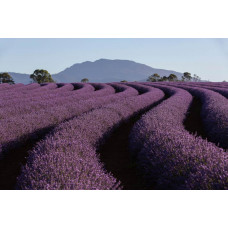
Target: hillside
105, 70
102, 70
20, 78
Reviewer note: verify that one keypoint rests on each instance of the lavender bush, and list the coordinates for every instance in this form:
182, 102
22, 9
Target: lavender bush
169, 157
64, 126
213, 114
67, 158
24, 127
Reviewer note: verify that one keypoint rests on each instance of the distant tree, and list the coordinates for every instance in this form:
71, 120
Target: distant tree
196, 78
85, 80
172, 77
123, 81
186, 77
41, 76
154, 78
6, 78
163, 79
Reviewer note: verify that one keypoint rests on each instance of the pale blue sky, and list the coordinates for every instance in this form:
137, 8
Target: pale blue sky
207, 58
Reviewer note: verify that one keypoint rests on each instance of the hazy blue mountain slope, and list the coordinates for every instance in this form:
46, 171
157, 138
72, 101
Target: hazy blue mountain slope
20, 78
102, 70
105, 70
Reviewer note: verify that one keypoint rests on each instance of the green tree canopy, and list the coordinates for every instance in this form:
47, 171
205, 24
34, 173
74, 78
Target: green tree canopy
187, 76
154, 78
85, 80
172, 77
123, 81
6, 78
163, 79
41, 76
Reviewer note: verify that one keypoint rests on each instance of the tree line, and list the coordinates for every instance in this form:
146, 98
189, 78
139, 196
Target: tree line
38, 76
43, 76
173, 78
6, 78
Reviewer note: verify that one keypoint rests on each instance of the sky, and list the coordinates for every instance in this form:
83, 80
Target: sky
206, 57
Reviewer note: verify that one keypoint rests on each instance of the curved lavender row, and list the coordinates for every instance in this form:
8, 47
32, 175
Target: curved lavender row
173, 93
36, 91
42, 97
65, 90
171, 158
67, 158
31, 86
47, 86
214, 84
16, 130
222, 90
37, 88
214, 113
65, 87
210, 84
25, 90
22, 109
79, 88
37, 94
22, 106
140, 87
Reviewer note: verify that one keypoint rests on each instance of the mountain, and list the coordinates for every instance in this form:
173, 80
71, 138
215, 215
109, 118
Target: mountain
102, 70
105, 70
20, 78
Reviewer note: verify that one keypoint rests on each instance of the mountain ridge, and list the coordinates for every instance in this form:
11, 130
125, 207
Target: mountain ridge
102, 70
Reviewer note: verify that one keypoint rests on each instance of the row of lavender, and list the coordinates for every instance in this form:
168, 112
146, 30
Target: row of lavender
169, 157
214, 113
47, 100
22, 127
67, 158
24, 96
221, 88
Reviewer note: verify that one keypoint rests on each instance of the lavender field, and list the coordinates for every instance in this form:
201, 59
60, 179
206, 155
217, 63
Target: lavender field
162, 135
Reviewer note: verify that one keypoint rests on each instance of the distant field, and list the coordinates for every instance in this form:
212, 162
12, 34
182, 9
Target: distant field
162, 135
